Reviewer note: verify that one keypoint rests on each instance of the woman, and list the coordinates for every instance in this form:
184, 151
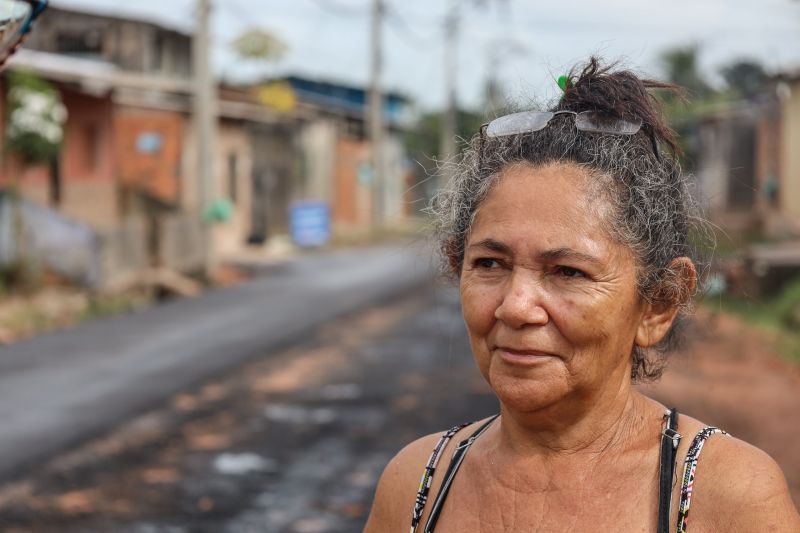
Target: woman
568, 233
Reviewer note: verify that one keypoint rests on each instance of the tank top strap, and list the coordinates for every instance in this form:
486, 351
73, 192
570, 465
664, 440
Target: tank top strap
430, 468
427, 475
689, 469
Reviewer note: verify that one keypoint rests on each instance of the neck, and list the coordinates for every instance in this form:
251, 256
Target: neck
581, 425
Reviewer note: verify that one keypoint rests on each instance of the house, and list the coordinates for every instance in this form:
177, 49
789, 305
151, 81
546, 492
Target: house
127, 164
747, 164
788, 89
337, 154
132, 43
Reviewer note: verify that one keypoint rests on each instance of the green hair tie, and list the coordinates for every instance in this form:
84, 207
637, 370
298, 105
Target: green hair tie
562, 82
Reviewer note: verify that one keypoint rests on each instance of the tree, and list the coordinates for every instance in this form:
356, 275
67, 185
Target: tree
423, 146
681, 68
422, 141
260, 45
745, 77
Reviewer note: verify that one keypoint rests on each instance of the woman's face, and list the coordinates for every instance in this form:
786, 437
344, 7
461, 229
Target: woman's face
548, 297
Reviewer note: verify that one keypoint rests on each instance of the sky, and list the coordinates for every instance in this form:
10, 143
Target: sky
525, 44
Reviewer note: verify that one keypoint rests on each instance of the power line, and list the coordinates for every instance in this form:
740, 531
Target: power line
340, 10
404, 29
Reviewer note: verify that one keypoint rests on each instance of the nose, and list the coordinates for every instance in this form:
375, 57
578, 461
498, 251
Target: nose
522, 301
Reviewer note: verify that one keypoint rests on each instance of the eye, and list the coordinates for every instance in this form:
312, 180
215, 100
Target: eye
569, 272
486, 262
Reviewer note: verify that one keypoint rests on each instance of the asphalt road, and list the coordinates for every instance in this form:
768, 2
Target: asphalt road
64, 388
291, 442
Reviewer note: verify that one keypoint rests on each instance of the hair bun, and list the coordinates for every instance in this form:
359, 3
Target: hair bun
603, 88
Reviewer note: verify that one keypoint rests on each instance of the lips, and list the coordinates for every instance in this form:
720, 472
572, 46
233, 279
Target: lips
516, 355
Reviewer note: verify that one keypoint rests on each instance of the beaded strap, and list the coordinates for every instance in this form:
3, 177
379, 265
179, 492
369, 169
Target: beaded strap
689, 468
427, 476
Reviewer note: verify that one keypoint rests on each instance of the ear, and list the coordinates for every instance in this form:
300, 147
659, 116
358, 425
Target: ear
675, 290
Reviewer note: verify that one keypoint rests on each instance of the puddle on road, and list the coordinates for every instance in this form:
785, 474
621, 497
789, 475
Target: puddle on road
341, 391
238, 464
295, 414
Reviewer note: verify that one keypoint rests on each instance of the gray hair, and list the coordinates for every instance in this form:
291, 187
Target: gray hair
649, 208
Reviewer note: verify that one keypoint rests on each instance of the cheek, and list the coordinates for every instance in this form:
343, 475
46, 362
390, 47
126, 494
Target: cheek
478, 305
477, 309
604, 325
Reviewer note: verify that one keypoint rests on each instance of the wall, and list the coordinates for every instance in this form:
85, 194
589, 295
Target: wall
352, 196
148, 148
318, 141
88, 173
233, 181
790, 154
136, 46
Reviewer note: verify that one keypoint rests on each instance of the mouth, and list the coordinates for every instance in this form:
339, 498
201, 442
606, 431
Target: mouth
518, 356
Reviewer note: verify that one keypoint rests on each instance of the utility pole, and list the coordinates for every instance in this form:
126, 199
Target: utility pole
497, 53
205, 122
375, 115
447, 147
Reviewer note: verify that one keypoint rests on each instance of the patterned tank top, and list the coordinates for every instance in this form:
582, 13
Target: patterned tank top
687, 480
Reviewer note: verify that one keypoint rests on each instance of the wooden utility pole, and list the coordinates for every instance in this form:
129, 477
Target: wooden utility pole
205, 121
447, 147
375, 116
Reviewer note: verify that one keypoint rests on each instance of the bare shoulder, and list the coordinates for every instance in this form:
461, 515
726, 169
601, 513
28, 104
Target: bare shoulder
400, 481
739, 487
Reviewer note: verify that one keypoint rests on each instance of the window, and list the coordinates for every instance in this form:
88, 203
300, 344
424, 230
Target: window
89, 43
90, 153
233, 190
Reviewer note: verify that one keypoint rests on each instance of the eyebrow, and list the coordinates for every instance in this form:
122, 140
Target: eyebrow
555, 254
493, 245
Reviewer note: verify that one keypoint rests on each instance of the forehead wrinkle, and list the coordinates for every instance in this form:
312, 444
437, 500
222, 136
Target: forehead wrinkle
492, 244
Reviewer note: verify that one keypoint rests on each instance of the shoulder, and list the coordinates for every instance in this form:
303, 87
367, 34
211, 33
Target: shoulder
397, 488
738, 487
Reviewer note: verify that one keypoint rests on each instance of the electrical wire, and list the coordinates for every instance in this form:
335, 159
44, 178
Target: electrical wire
340, 10
410, 36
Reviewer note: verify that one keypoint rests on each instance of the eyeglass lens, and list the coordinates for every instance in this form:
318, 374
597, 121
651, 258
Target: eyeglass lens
517, 123
598, 123
14, 14
590, 121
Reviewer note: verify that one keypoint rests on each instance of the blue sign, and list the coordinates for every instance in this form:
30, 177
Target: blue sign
310, 223
149, 143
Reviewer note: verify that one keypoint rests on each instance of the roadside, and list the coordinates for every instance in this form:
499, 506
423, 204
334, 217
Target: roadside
37, 303
55, 307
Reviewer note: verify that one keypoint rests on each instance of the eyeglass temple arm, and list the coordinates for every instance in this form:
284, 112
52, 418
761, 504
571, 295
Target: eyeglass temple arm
37, 7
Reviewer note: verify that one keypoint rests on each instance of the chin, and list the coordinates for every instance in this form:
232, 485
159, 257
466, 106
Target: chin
526, 390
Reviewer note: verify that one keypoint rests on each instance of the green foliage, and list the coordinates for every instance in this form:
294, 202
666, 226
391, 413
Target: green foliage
259, 45
682, 68
787, 306
780, 314
744, 77
20, 276
112, 305
423, 141
36, 117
